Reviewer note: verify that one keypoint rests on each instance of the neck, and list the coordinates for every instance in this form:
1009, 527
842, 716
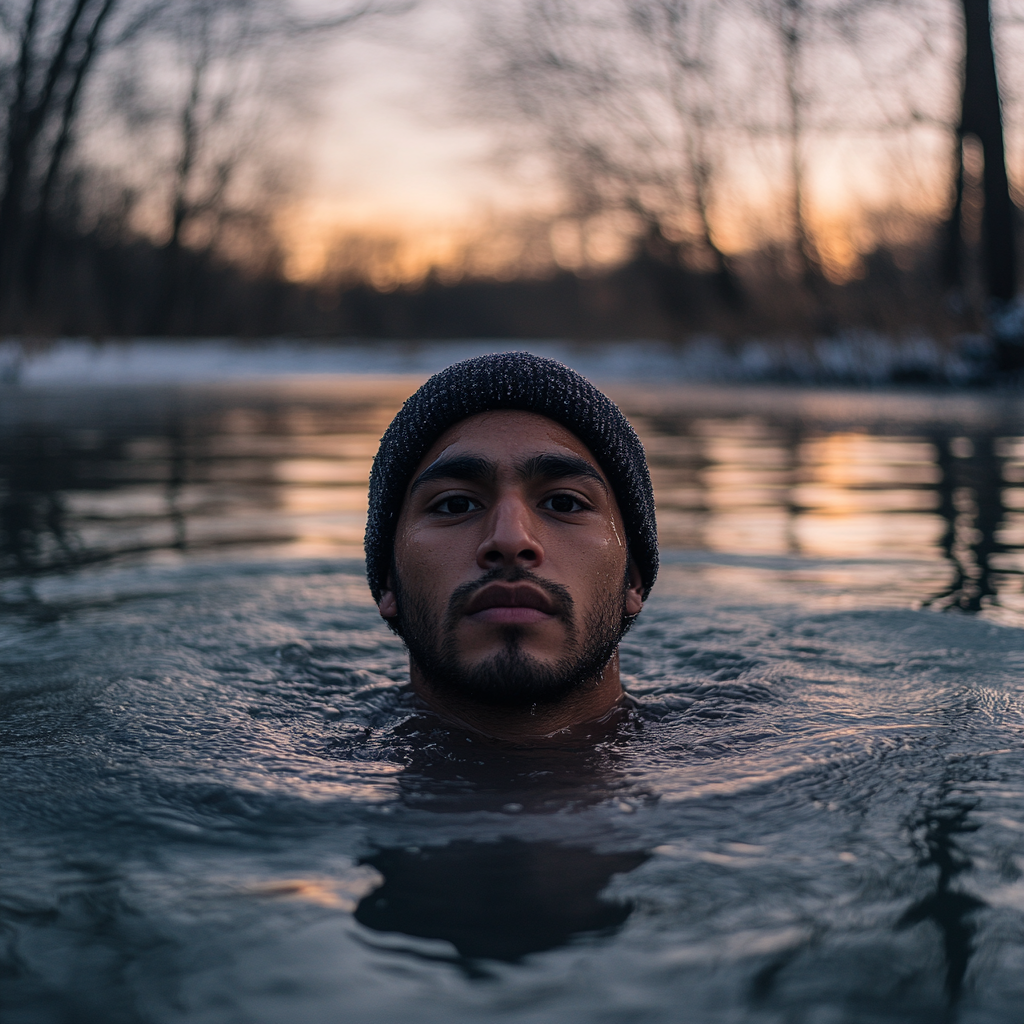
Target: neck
589, 704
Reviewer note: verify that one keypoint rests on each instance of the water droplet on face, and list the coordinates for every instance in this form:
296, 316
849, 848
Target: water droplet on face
618, 539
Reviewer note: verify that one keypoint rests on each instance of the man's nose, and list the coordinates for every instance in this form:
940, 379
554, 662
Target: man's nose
510, 540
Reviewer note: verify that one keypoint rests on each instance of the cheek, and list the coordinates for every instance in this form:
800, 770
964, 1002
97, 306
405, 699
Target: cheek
430, 559
593, 559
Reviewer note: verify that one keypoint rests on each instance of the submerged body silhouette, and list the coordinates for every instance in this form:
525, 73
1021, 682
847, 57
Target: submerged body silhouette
500, 900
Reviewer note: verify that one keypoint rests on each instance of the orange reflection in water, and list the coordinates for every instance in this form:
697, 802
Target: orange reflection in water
342, 893
283, 467
756, 487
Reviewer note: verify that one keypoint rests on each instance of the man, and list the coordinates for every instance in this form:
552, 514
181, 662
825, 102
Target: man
511, 542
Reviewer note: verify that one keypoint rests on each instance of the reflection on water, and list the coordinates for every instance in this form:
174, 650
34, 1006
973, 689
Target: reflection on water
949, 909
500, 900
99, 474
221, 803
823, 808
104, 473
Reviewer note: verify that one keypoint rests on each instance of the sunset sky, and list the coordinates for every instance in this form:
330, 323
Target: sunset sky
391, 154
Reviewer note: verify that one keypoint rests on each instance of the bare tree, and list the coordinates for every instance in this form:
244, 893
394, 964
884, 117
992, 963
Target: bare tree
620, 95
659, 108
682, 31
50, 50
981, 117
791, 22
240, 69
632, 100
196, 84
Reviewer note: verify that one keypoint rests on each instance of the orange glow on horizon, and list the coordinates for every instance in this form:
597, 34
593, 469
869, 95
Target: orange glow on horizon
332, 241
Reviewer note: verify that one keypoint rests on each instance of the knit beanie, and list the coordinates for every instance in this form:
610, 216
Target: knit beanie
510, 380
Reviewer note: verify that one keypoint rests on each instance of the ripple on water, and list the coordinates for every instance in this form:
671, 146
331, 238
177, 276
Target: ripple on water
221, 804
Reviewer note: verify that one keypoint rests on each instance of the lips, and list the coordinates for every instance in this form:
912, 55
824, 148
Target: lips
510, 603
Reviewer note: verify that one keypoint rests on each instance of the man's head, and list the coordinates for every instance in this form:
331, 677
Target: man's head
511, 536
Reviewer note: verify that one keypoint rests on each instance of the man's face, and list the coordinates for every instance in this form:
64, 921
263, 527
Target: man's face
511, 582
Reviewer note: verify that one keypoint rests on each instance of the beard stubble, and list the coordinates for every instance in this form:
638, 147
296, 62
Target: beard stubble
511, 678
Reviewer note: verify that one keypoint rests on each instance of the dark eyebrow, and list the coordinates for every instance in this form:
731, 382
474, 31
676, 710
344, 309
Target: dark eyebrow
461, 467
553, 467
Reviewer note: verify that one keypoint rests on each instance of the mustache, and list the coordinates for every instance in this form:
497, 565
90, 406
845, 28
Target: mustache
461, 596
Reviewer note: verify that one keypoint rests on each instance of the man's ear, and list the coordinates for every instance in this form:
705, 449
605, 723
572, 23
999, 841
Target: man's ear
634, 590
388, 603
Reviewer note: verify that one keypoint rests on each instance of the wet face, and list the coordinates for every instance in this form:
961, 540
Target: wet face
511, 582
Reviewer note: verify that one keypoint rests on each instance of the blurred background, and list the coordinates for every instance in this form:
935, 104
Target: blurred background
787, 170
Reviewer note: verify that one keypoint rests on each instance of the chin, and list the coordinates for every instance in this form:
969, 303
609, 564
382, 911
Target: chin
513, 678
534, 660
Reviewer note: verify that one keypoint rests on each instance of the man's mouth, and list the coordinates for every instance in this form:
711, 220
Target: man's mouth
510, 604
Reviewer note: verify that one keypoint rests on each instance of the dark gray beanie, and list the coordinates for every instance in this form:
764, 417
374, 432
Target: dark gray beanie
510, 380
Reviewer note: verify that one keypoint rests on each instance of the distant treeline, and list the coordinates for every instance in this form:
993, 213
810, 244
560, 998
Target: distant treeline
95, 285
149, 148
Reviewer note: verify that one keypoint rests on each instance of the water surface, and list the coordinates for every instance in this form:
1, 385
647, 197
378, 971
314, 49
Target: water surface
220, 804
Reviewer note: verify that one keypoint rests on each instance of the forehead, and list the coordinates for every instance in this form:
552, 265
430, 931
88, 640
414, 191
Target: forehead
506, 435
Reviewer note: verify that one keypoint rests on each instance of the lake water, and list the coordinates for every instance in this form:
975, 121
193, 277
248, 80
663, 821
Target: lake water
220, 805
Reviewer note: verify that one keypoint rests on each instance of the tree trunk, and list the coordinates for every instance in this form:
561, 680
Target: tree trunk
953, 256
33, 259
28, 116
164, 318
981, 115
792, 40
17, 152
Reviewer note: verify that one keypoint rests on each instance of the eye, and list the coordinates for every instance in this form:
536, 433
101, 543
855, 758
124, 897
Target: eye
457, 505
563, 503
